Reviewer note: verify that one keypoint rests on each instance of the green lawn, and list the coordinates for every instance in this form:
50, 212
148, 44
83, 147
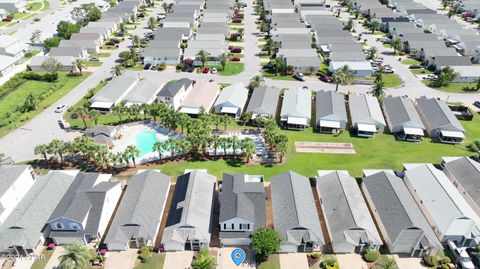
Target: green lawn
453, 87
106, 47
380, 152
232, 68
411, 61
94, 64
100, 55
32, 7
18, 15
30, 54
278, 77
273, 262
421, 71
392, 80
51, 90
41, 263
46, 5
137, 67
155, 262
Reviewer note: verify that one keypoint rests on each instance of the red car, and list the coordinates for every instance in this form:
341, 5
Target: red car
206, 70
325, 78
237, 21
236, 50
235, 59
239, 16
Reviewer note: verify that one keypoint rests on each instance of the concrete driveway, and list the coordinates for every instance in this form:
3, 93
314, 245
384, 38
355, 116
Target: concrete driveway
53, 262
408, 263
121, 260
293, 261
178, 260
351, 261
224, 259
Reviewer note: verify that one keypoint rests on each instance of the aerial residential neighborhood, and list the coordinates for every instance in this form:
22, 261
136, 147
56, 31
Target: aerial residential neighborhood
223, 134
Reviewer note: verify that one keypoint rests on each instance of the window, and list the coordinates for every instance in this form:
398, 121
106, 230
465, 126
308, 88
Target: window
224, 226
59, 225
244, 226
233, 226
74, 226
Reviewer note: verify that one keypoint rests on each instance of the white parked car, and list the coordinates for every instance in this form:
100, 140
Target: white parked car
214, 70
61, 108
299, 76
430, 77
460, 255
388, 70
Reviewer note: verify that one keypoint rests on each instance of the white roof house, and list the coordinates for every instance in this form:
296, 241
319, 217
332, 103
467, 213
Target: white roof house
16, 181
366, 115
13, 5
359, 68
112, 93
203, 95
296, 108
12, 46
232, 100
7, 63
145, 92
449, 215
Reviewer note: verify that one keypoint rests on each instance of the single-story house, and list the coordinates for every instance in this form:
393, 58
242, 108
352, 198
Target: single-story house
103, 30
189, 223
24, 232
111, 25
440, 122
307, 65
102, 134
154, 56
12, 46
295, 215
174, 92
348, 221
242, 208
7, 64
296, 109
87, 36
138, 217
85, 210
366, 115
69, 51
400, 221
403, 119
14, 5
165, 34
330, 114
145, 92
91, 45
464, 173
232, 100
439, 62
112, 93
467, 73
264, 102
65, 61
202, 96
359, 68
16, 182
449, 215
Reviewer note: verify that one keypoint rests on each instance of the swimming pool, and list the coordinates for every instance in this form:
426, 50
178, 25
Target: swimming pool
145, 141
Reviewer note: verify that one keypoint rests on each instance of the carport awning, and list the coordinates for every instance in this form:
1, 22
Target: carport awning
189, 110
413, 131
367, 127
229, 110
452, 134
102, 105
296, 120
330, 124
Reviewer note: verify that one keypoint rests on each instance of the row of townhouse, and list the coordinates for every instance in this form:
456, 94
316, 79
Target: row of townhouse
89, 39
410, 212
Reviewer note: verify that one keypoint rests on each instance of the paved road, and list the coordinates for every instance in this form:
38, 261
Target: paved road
54, 5
42, 129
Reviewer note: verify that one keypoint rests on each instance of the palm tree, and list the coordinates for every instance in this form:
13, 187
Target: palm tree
171, 146
203, 56
160, 146
372, 53
41, 150
166, 7
117, 70
235, 143
377, 89
223, 59
136, 41
132, 152
152, 23
203, 260
119, 110
74, 256
134, 55
94, 115
83, 114
224, 142
396, 45
445, 4
122, 28
226, 120
215, 140
343, 75
183, 146
31, 102
80, 64
57, 147
248, 148
374, 25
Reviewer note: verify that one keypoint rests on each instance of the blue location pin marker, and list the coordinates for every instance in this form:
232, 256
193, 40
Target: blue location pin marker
238, 256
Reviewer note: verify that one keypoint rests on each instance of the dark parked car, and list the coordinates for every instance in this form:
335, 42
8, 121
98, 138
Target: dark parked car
477, 104
325, 78
236, 50
415, 66
147, 67
237, 21
110, 43
235, 59
191, 69
185, 68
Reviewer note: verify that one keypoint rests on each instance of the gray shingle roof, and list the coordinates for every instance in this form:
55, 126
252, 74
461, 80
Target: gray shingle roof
25, 224
466, 172
437, 115
264, 100
235, 95
242, 199
140, 211
173, 87
114, 89
330, 103
190, 212
365, 109
297, 103
9, 174
345, 211
396, 207
400, 112
294, 211
144, 91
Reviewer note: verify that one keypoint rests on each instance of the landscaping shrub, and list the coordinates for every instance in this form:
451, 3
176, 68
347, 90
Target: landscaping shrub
49, 77
444, 266
12, 83
444, 260
180, 66
371, 255
162, 66
144, 254
430, 260
329, 263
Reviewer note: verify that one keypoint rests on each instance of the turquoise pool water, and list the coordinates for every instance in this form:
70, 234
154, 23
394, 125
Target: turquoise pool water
145, 141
